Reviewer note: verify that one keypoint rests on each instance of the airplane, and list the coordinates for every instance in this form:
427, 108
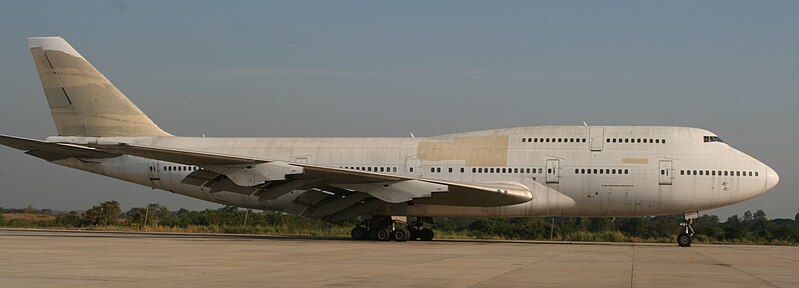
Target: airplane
537, 171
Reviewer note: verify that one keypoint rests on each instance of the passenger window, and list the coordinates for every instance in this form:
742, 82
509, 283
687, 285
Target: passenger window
394, 169
601, 171
576, 171
614, 140
432, 170
750, 173
657, 141
682, 172
595, 171
479, 170
588, 171
607, 140
756, 174
547, 140
737, 173
535, 139
524, 140
626, 140
474, 170
411, 169
662, 141
700, 173
450, 169
694, 172
463, 170
662, 172
626, 171
650, 141
613, 171
582, 171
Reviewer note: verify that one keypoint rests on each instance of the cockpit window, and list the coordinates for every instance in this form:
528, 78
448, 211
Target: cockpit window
713, 139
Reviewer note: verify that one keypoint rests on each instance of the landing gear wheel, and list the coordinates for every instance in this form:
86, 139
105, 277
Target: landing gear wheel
359, 233
400, 235
383, 234
414, 233
684, 240
373, 234
686, 236
426, 234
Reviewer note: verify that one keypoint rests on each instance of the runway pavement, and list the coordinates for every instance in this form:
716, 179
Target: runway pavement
43, 258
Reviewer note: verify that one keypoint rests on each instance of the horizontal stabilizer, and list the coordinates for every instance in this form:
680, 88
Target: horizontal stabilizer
52, 151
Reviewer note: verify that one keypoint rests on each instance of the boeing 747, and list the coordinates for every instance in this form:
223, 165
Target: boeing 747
592, 171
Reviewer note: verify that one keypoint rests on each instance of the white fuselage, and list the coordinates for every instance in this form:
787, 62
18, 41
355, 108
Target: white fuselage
592, 171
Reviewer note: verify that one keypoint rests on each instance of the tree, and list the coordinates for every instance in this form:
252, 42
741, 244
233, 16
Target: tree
136, 215
104, 214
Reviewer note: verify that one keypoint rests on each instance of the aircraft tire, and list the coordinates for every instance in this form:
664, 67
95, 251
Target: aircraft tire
359, 233
400, 235
413, 234
383, 234
426, 234
684, 240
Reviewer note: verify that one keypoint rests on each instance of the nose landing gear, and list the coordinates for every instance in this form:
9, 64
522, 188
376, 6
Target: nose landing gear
686, 235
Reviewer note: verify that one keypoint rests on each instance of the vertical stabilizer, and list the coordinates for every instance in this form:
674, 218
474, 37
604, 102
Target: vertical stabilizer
82, 101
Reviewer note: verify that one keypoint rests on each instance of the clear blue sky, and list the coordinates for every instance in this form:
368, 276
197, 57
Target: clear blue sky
369, 68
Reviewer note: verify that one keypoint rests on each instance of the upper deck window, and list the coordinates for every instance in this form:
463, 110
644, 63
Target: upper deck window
713, 139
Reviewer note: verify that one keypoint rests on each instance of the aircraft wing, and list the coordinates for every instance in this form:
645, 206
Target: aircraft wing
274, 178
52, 151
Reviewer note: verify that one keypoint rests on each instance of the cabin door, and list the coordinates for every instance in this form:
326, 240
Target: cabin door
413, 167
596, 138
553, 171
153, 170
666, 172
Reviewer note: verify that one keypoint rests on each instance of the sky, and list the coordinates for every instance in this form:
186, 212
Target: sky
380, 68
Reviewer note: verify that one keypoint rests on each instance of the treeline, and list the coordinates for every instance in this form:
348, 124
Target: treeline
750, 228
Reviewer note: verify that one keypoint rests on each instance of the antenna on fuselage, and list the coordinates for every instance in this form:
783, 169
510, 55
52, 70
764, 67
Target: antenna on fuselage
585, 124
412, 136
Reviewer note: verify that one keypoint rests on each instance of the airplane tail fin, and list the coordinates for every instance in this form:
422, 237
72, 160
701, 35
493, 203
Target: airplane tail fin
82, 101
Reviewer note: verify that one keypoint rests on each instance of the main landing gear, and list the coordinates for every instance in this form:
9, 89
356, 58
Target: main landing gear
686, 235
383, 228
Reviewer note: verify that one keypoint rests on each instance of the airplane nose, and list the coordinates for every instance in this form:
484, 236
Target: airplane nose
772, 178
